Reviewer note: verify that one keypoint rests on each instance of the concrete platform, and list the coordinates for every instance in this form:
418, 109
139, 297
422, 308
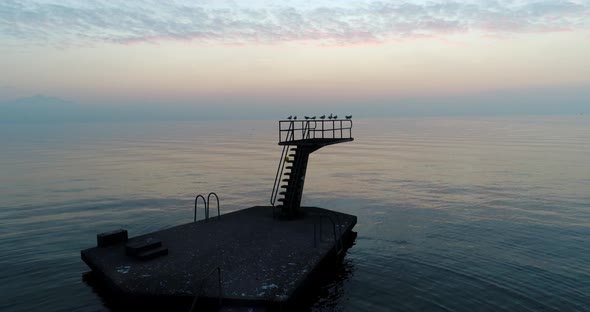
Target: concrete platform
264, 262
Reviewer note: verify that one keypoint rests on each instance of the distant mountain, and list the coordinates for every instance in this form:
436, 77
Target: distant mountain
47, 109
39, 99
41, 108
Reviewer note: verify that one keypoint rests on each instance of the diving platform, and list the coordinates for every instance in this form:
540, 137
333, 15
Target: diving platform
323, 132
241, 259
299, 139
256, 259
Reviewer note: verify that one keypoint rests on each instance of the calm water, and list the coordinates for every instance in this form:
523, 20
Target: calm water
487, 214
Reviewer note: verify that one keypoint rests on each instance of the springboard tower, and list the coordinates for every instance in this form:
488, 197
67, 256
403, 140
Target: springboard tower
299, 139
247, 260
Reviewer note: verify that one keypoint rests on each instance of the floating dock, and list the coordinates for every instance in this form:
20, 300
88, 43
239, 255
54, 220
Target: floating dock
260, 258
245, 258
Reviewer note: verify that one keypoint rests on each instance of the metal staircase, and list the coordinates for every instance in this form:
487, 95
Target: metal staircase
300, 138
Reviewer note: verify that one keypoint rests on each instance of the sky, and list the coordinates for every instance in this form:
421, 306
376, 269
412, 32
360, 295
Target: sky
365, 57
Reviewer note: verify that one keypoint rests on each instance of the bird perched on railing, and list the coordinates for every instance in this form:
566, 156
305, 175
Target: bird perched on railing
330, 117
294, 117
323, 117
335, 117
313, 118
348, 116
290, 117
306, 117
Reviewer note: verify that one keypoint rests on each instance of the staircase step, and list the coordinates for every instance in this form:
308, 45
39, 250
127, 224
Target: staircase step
281, 199
287, 173
289, 167
292, 155
286, 180
137, 247
283, 193
284, 186
152, 254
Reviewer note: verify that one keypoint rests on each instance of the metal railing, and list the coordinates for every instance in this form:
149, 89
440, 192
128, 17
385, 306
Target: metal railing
294, 130
338, 242
279, 175
199, 291
308, 127
209, 201
206, 204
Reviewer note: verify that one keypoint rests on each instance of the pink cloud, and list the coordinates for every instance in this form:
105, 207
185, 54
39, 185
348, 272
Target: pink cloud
326, 24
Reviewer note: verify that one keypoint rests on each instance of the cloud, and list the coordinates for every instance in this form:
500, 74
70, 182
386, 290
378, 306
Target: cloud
326, 22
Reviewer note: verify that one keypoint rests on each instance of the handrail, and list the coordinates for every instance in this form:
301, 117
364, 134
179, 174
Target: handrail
308, 129
218, 211
205, 203
279, 174
275, 186
200, 292
336, 239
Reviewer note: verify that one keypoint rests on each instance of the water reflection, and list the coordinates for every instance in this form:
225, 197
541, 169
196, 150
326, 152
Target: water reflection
453, 214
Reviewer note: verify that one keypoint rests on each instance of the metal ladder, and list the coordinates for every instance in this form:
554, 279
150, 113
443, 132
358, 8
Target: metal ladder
339, 244
206, 206
294, 159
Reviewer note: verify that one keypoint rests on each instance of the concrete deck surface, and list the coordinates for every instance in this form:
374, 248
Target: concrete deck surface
262, 260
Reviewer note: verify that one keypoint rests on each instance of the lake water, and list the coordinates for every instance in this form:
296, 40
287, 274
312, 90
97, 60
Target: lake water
469, 214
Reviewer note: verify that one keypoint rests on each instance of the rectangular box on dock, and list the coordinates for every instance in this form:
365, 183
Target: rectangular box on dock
111, 238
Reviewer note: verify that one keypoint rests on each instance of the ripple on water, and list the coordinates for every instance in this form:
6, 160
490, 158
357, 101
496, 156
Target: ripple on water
453, 214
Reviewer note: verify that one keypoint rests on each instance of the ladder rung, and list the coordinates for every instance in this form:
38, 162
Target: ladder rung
292, 155
281, 199
289, 167
282, 193
284, 186
286, 180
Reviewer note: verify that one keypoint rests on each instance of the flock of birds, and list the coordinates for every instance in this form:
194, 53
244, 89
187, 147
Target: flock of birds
321, 117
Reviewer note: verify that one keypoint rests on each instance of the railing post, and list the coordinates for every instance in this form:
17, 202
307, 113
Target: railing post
208, 201
333, 130
337, 246
219, 283
204, 202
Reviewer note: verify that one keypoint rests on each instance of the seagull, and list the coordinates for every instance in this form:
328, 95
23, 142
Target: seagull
349, 117
294, 117
306, 117
313, 117
335, 117
330, 117
323, 117
290, 117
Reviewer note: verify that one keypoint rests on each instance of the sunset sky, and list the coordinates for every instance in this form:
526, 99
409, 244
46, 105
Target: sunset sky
383, 56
